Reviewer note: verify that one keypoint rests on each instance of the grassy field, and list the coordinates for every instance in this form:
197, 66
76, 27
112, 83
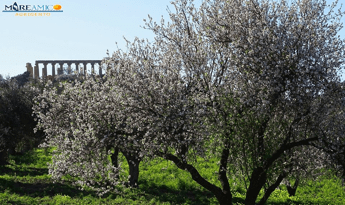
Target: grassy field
26, 181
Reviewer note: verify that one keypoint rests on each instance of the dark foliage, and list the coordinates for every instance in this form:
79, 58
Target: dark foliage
22, 79
16, 119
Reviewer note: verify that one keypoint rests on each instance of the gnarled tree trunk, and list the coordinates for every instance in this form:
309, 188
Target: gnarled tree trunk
257, 181
223, 195
133, 162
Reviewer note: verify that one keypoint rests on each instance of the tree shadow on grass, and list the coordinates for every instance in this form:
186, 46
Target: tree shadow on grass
42, 189
36, 187
26, 172
185, 195
188, 195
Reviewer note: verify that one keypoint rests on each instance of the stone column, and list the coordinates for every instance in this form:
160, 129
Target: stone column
37, 72
84, 64
29, 69
76, 67
92, 68
100, 69
44, 71
60, 71
53, 69
69, 69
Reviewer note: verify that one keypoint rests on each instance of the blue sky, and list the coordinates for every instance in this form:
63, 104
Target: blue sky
83, 31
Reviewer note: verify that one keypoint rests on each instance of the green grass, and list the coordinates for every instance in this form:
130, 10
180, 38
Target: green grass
26, 181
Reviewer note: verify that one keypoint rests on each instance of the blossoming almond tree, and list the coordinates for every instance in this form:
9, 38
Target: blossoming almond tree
72, 121
260, 68
247, 80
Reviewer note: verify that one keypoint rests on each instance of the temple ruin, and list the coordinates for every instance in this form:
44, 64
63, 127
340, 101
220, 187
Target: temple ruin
35, 72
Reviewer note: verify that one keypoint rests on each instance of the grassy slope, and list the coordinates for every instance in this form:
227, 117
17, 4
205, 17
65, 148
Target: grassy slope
26, 181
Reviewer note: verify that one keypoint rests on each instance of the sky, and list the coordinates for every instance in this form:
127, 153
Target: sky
84, 30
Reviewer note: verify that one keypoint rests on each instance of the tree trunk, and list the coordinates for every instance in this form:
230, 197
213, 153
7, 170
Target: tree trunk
292, 190
226, 196
114, 156
133, 163
271, 189
115, 160
223, 196
257, 181
133, 172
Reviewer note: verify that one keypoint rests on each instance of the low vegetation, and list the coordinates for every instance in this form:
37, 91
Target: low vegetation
26, 181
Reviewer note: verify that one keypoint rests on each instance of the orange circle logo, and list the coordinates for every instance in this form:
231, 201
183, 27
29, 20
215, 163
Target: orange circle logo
57, 7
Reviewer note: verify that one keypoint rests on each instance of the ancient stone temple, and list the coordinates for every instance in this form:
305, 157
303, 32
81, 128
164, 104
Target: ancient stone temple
35, 72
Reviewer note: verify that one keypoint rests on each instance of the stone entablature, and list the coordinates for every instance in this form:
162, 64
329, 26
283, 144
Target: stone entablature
34, 72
